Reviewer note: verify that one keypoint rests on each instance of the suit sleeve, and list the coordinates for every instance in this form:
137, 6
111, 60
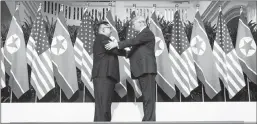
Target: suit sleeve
129, 53
141, 39
119, 52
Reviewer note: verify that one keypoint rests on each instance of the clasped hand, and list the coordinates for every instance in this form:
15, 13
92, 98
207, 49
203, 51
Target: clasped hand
113, 44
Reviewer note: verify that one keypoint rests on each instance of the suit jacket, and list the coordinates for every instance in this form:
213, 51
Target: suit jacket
142, 55
105, 63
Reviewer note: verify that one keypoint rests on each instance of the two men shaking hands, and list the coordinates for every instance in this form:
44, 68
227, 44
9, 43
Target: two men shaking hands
105, 73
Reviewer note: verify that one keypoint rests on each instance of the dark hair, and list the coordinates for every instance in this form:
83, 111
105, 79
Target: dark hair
98, 25
102, 23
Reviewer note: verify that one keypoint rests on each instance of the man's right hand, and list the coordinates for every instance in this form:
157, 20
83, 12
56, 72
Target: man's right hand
111, 45
127, 49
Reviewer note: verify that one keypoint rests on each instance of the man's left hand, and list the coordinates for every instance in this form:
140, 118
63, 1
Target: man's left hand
111, 45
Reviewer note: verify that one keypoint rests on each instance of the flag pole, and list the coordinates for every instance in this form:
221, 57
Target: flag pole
17, 7
35, 97
176, 9
247, 79
135, 97
59, 86
39, 9
202, 93
156, 93
156, 87
197, 9
225, 98
60, 95
133, 9
84, 94
84, 89
179, 96
248, 88
11, 96
110, 6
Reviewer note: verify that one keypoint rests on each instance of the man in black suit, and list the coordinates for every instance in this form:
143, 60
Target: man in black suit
105, 72
143, 63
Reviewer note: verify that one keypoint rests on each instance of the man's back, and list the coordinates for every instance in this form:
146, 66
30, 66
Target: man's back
142, 57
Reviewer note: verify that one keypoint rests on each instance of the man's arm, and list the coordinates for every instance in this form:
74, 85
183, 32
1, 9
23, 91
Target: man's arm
129, 53
119, 52
143, 38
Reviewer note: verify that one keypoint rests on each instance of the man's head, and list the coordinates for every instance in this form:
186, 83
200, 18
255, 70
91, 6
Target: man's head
138, 23
104, 28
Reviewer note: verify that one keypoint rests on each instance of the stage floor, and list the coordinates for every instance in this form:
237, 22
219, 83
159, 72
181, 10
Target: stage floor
129, 112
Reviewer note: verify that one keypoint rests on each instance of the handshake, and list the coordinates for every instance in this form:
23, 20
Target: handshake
113, 44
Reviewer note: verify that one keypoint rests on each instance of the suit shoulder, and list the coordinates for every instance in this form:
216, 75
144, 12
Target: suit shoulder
149, 32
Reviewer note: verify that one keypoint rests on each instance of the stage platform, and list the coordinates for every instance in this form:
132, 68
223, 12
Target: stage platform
129, 112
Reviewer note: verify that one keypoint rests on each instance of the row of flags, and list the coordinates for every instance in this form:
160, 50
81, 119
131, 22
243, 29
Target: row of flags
181, 65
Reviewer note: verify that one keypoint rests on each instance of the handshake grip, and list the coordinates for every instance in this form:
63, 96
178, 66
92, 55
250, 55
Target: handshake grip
113, 39
127, 49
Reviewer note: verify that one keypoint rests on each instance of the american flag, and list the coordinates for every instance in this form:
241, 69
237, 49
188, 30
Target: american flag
131, 34
2, 71
86, 38
227, 63
180, 54
38, 50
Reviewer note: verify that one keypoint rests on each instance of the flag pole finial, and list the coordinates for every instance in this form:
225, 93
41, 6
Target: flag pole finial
176, 7
197, 7
61, 7
109, 6
17, 5
241, 9
40, 6
85, 9
154, 7
134, 7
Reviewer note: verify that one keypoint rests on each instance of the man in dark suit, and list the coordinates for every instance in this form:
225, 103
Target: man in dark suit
143, 63
105, 72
